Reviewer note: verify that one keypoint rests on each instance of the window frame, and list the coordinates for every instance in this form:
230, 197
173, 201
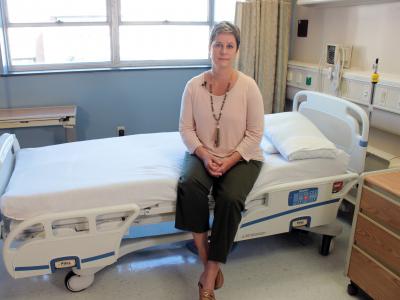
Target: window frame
113, 21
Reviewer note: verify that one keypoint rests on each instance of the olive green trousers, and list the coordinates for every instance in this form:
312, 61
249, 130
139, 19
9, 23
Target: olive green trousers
229, 192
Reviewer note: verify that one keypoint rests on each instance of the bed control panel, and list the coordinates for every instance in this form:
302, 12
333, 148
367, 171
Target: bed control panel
303, 196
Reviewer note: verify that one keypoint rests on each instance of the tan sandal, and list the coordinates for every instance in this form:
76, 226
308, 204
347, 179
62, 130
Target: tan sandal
205, 294
219, 280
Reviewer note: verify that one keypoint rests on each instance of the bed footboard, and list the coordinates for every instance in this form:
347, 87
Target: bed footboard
62, 242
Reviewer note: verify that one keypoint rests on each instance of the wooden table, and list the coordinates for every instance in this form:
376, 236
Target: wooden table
40, 116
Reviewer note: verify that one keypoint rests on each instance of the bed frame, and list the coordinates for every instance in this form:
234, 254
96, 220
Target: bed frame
89, 240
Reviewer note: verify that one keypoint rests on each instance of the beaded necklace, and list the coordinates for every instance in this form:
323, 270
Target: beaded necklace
217, 137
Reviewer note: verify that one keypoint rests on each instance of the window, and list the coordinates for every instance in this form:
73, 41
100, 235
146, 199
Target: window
67, 34
56, 32
225, 10
164, 30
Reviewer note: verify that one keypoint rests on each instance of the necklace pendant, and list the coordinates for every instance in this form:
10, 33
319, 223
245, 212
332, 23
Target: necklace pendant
217, 137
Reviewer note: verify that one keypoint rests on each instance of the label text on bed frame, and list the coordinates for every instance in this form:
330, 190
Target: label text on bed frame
251, 235
65, 264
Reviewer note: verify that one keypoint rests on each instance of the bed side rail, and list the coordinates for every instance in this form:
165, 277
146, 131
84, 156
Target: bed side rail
9, 146
349, 180
341, 121
308, 203
89, 242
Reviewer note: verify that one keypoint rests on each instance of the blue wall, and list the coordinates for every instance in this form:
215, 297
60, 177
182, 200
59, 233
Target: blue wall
143, 101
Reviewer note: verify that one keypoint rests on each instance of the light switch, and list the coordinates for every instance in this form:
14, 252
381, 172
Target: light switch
290, 76
365, 95
299, 78
382, 97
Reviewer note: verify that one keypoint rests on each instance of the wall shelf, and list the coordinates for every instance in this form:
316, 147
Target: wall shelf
333, 3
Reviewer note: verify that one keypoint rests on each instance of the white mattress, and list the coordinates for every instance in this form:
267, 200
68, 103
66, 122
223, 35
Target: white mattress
142, 169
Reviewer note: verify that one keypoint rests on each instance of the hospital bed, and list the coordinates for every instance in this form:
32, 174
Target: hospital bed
77, 205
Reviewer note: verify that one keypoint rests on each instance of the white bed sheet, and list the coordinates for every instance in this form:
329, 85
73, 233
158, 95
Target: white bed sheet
142, 169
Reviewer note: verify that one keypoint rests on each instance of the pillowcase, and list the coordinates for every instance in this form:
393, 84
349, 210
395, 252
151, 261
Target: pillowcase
267, 146
296, 137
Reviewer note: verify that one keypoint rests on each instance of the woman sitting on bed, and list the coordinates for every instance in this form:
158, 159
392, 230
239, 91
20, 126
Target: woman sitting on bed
221, 124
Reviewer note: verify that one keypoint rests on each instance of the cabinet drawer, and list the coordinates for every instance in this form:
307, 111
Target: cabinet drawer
377, 242
372, 278
380, 209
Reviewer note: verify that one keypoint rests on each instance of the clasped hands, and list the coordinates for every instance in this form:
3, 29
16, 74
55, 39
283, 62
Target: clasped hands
217, 166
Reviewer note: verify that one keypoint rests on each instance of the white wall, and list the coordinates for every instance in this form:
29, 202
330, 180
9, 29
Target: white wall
373, 30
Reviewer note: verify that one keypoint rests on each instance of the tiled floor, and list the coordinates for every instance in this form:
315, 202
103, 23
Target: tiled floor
275, 267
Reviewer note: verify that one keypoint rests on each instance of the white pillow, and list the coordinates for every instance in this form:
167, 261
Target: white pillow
296, 137
267, 146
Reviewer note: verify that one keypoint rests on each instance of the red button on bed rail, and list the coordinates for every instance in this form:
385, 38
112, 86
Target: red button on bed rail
337, 186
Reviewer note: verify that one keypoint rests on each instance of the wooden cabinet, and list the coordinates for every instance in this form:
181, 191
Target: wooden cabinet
373, 262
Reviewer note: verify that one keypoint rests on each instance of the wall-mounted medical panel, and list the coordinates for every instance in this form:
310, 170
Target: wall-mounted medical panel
355, 87
356, 91
303, 78
387, 98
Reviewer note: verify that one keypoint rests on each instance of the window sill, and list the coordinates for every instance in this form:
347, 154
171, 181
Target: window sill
94, 70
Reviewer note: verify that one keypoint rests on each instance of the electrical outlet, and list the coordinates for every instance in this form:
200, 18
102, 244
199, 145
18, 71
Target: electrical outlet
299, 78
365, 95
382, 97
120, 130
290, 76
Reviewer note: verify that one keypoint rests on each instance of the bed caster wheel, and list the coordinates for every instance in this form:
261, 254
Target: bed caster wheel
327, 245
77, 283
352, 289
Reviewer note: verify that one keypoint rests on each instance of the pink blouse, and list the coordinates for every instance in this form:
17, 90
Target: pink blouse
241, 123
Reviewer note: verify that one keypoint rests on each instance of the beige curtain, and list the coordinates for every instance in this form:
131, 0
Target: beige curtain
264, 48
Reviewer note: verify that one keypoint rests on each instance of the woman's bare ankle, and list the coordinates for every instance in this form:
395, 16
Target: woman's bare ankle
207, 278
